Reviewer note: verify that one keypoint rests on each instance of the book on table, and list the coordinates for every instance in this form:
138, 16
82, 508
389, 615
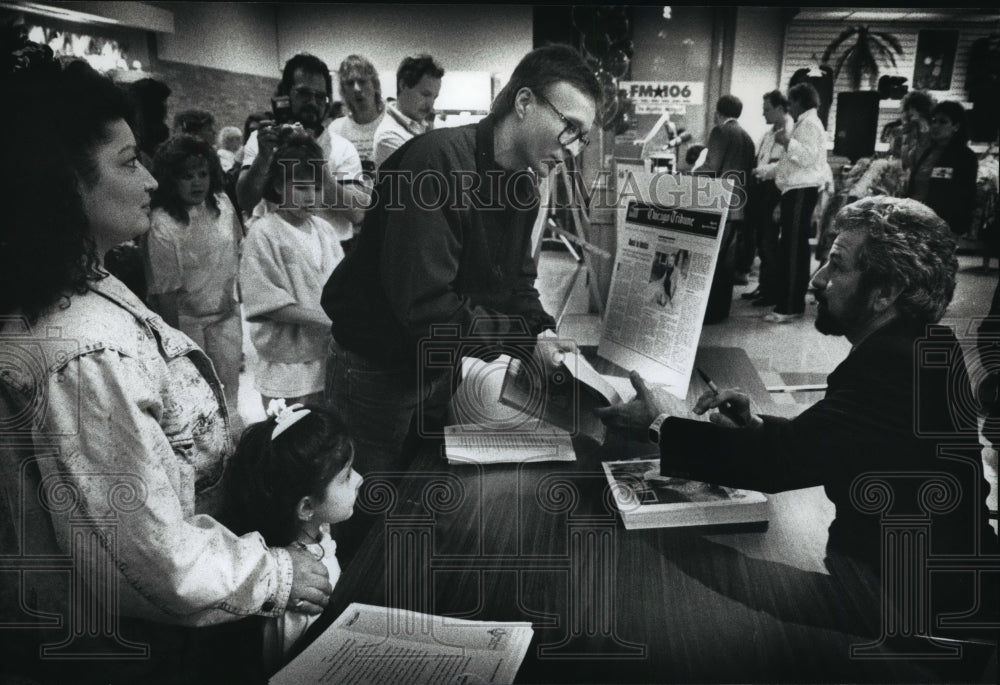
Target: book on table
647, 499
481, 430
564, 396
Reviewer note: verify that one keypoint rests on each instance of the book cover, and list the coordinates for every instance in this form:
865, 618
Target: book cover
646, 499
565, 397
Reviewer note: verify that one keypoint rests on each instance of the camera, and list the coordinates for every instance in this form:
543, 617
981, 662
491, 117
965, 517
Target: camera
27, 359
493, 364
281, 109
941, 367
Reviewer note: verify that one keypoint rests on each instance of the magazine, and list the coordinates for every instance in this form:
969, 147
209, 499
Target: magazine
646, 499
371, 645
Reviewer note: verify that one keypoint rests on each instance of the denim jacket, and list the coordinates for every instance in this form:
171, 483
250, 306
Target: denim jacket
113, 441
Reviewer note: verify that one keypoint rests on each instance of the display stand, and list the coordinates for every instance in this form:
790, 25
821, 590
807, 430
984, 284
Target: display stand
575, 236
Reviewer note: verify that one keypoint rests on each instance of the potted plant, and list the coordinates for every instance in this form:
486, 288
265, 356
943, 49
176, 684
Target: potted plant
870, 48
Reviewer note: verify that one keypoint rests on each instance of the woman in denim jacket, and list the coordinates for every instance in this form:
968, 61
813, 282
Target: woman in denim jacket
113, 426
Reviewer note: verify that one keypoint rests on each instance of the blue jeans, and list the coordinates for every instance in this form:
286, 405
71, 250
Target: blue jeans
378, 403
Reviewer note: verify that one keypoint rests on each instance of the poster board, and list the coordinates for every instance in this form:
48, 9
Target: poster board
670, 228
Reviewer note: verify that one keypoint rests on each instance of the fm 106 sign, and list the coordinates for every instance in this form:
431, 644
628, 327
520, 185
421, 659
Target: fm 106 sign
656, 97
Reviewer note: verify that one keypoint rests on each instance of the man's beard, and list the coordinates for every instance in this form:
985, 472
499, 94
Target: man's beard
858, 313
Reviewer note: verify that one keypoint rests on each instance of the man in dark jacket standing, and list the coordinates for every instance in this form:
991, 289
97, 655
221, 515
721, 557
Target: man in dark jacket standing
445, 253
731, 156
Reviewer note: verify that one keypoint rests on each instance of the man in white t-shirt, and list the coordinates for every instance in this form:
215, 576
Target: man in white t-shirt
418, 82
361, 92
303, 97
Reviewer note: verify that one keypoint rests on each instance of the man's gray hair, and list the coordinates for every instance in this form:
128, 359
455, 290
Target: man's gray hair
906, 244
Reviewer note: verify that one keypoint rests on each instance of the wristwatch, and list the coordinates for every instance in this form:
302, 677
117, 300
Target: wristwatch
654, 428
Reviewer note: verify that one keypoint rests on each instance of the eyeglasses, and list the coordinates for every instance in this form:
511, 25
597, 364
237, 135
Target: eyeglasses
572, 132
304, 93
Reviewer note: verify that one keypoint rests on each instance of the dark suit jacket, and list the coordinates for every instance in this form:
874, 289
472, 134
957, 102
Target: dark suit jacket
730, 152
951, 192
897, 399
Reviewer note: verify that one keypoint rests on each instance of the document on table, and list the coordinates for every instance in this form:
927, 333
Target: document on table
370, 645
484, 431
469, 445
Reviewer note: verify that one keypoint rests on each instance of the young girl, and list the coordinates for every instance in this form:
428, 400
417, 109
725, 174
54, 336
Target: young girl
288, 256
290, 479
192, 253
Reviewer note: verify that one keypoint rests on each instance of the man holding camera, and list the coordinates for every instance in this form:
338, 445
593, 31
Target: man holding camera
448, 241
303, 98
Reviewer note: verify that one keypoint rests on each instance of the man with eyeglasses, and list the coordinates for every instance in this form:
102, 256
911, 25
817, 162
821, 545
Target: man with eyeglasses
448, 241
302, 97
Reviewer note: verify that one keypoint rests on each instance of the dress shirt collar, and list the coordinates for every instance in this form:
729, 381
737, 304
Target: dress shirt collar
412, 125
812, 114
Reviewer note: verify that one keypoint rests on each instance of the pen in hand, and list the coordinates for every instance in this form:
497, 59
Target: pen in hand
726, 408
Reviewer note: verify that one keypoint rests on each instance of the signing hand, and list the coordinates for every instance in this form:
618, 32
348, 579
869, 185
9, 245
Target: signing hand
310, 583
734, 414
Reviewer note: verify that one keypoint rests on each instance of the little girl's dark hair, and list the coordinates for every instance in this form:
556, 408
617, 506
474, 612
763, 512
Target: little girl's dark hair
171, 161
299, 154
266, 478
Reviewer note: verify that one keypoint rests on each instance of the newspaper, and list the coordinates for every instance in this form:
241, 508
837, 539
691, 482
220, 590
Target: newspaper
670, 229
370, 645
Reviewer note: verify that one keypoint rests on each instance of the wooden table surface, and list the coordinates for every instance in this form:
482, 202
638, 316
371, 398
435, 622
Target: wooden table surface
541, 542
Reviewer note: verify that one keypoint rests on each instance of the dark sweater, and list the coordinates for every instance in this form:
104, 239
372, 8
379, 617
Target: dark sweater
896, 399
446, 241
951, 188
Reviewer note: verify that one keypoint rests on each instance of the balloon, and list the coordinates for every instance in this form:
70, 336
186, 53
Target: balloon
616, 26
626, 46
584, 18
597, 44
617, 63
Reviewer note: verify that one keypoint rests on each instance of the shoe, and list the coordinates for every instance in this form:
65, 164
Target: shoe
741, 279
763, 302
775, 317
753, 295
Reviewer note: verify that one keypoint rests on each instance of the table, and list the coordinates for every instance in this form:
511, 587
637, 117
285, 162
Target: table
541, 542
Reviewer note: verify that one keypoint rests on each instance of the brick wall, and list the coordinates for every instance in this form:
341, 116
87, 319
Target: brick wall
230, 97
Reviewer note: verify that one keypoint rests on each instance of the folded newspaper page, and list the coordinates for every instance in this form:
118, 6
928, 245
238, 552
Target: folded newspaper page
670, 228
371, 645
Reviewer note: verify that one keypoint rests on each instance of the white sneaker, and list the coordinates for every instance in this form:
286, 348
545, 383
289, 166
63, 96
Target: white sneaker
775, 317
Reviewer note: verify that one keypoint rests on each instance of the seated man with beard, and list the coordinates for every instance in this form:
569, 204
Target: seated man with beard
891, 417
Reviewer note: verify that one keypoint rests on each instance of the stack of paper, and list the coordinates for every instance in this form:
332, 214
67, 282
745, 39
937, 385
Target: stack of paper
370, 645
467, 444
488, 432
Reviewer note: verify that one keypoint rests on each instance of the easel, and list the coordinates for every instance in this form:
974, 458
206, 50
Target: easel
577, 235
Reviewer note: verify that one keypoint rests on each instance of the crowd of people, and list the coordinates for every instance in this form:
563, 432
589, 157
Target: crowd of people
217, 552
779, 181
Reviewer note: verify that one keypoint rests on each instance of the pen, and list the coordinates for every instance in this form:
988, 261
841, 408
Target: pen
727, 409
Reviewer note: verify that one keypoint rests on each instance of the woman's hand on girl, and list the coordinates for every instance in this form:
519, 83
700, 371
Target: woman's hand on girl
310, 583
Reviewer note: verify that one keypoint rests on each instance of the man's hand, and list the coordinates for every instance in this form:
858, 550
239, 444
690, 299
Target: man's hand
551, 350
310, 583
267, 138
781, 137
634, 417
736, 412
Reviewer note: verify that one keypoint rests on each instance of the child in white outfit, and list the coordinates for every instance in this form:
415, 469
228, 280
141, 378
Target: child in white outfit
193, 255
288, 255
